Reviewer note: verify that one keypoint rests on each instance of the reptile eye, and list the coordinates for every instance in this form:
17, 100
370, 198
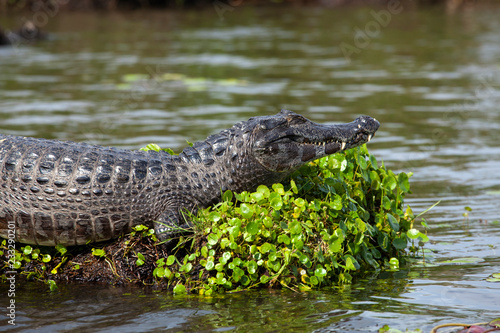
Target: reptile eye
297, 121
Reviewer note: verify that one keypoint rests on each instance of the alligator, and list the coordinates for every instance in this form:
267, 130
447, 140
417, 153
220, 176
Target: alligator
4, 40
59, 192
28, 33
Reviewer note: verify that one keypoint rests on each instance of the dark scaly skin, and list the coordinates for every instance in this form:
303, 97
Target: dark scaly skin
4, 40
27, 33
54, 192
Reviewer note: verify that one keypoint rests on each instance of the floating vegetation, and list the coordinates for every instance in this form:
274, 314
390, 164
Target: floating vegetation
337, 218
462, 261
495, 277
145, 81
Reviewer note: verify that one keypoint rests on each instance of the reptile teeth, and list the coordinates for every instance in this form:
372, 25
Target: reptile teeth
343, 146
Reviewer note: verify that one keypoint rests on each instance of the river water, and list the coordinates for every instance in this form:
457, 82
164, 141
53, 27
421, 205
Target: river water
430, 75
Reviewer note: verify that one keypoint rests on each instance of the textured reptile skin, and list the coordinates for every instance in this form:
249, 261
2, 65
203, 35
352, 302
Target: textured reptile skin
54, 192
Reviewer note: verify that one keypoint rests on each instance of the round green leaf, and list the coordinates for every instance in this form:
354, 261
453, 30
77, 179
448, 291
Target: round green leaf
170, 260
212, 239
179, 289
246, 210
252, 267
294, 227
253, 228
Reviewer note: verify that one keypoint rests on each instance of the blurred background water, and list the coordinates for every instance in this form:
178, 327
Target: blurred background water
430, 76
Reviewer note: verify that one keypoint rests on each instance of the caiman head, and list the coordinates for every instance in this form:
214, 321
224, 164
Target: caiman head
283, 142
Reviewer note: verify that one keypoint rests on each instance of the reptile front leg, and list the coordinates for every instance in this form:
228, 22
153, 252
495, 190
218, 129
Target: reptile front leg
171, 224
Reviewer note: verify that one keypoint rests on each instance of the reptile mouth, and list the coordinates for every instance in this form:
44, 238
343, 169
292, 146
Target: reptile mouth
331, 146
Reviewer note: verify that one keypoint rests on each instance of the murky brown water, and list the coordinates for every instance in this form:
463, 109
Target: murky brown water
431, 78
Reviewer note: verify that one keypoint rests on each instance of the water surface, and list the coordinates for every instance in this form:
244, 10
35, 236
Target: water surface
429, 76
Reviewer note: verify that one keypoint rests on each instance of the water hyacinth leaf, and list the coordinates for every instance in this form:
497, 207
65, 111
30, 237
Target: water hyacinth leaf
399, 243
389, 182
386, 203
238, 273
246, 211
349, 263
253, 228
266, 247
336, 245
298, 242
284, 239
304, 260
373, 162
140, 259
338, 162
274, 265
227, 196
362, 162
293, 186
423, 237
313, 280
98, 252
268, 222
264, 279
320, 272
214, 216
179, 289
337, 202
27, 250
210, 265
257, 196
234, 231
295, 227
159, 272
300, 202
237, 261
226, 256
204, 251
212, 239
278, 188
170, 260
187, 267
52, 285
252, 267
276, 201
264, 190
273, 256
151, 146
393, 222
404, 183
61, 249
413, 233
394, 263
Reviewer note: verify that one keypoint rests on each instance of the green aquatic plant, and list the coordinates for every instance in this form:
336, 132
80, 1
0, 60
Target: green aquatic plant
337, 217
